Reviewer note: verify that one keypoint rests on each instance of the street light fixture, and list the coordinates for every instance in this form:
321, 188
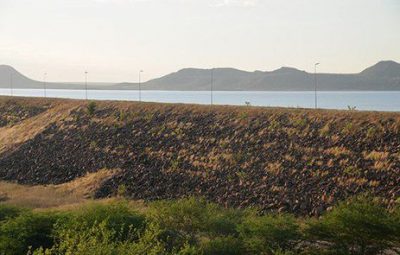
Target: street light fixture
315, 86
86, 89
140, 88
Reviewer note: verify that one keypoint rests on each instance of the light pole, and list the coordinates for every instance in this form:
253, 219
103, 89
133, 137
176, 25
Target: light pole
86, 92
212, 86
140, 88
315, 86
11, 84
44, 84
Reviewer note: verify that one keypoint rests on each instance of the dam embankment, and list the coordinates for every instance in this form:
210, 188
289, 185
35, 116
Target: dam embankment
292, 160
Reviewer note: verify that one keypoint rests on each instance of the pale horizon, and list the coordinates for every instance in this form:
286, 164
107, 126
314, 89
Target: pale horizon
114, 39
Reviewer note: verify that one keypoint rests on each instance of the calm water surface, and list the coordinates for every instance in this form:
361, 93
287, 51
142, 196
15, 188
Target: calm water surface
362, 100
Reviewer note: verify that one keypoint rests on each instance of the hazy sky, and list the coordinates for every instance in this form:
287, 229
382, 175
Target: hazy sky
114, 39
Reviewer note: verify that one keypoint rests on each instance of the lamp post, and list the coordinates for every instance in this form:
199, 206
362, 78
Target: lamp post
315, 86
44, 84
212, 86
86, 89
11, 84
140, 88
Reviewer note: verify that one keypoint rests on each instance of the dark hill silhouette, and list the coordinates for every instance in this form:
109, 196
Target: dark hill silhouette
9, 75
384, 75
389, 69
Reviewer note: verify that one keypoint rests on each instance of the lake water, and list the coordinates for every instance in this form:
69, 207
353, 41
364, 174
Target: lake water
362, 100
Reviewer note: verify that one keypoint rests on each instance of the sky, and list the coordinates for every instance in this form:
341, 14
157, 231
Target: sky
114, 39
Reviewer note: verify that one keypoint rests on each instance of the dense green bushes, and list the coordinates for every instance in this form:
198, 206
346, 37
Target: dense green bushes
194, 226
359, 226
26, 230
7, 212
270, 233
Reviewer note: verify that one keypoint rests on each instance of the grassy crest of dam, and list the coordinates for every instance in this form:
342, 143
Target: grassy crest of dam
276, 159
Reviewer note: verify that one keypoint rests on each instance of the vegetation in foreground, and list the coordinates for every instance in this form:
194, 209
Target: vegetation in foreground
360, 225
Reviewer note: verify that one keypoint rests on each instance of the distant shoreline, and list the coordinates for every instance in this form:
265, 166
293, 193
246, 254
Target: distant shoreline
189, 90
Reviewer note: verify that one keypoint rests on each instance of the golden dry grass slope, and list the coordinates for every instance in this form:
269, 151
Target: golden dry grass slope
64, 195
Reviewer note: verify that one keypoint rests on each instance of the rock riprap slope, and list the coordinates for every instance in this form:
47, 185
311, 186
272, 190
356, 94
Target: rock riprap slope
14, 111
292, 160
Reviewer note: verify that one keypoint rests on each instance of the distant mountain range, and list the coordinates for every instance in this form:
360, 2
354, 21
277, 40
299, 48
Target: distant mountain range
384, 75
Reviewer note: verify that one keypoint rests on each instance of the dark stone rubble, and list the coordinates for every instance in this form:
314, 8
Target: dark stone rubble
300, 162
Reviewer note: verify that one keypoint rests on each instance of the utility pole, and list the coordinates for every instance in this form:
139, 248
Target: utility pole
44, 85
86, 89
315, 86
11, 84
140, 88
212, 86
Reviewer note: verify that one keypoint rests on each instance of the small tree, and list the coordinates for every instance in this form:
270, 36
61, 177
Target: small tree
91, 108
121, 192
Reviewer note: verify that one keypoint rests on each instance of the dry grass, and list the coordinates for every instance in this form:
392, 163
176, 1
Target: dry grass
274, 168
37, 196
338, 151
54, 196
10, 137
87, 185
381, 159
376, 155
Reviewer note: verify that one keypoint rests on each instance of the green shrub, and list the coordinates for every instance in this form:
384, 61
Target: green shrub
98, 238
224, 222
352, 170
160, 241
395, 214
359, 226
269, 233
223, 246
27, 230
91, 108
186, 222
274, 125
118, 217
98, 229
326, 130
89, 239
372, 132
122, 116
194, 226
186, 215
349, 128
8, 211
243, 115
192, 216
122, 190
300, 123
282, 252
